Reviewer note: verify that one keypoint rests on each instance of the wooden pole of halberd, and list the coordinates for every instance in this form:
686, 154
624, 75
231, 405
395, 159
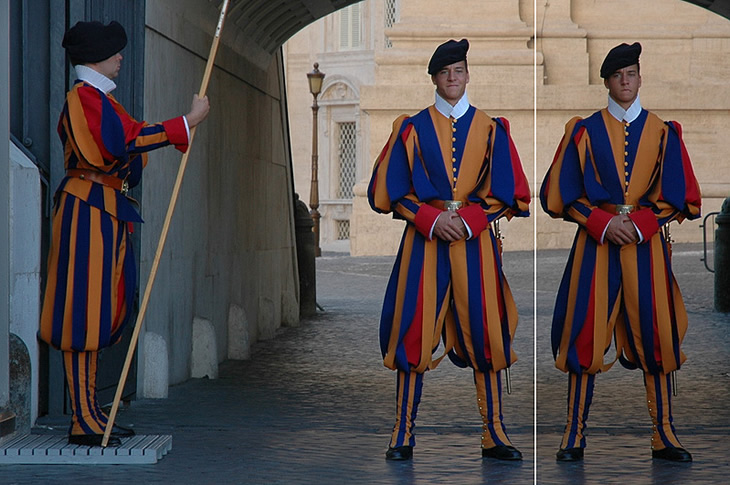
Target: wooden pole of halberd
163, 235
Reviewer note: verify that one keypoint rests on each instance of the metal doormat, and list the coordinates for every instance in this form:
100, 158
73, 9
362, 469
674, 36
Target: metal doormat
45, 449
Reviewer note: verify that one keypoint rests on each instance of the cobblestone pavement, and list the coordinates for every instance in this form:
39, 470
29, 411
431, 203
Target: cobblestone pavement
315, 405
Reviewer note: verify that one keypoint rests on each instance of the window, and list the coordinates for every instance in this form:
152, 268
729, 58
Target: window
391, 17
350, 27
343, 230
347, 155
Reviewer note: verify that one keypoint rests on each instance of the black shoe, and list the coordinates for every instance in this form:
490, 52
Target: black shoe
92, 440
400, 453
671, 454
502, 452
122, 432
570, 454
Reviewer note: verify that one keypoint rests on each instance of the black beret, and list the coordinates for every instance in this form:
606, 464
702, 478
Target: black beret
619, 57
448, 53
94, 41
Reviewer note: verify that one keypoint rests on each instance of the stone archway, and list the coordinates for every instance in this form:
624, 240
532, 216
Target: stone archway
720, 7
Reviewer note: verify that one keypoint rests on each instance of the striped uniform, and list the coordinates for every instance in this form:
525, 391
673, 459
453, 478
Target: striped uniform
627, 293
91, 281
455, 290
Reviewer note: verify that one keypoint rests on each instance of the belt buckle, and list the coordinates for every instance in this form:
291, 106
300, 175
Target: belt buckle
624, 209
125, 188
452, 205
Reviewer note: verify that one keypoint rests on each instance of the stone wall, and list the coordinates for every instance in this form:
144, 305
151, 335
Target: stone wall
231, 240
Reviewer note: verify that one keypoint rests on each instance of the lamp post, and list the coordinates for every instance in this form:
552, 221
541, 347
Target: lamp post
315, 79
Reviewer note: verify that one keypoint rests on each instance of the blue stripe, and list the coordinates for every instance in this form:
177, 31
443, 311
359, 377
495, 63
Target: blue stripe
491, 412
389, 300
80, 279
59, 300
561, 299
503, 180
476, 290
112, 131
407, 422
646, 305
610, 188
410, 297
670, 276
506, 339
79, 392
398, 175
105, 322
582, 300
430, 180
673, 183
661, 406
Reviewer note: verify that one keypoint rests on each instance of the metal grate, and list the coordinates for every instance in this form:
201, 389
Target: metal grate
343, 230
391, 17
47, 449
347, 154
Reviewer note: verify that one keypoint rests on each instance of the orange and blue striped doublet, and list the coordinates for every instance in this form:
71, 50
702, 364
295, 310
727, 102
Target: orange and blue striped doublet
624, 291
91, 279
437, 288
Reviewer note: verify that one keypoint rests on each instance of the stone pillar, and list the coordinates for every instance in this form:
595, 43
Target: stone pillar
722, 259
563, 45
305, 259
204, 358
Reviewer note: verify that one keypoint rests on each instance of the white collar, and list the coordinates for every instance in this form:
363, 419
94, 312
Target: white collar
456, 111
624, 114
95, 78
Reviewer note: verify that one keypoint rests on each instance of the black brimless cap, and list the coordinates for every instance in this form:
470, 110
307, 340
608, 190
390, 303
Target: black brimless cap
448, 53
94, 41
619, 57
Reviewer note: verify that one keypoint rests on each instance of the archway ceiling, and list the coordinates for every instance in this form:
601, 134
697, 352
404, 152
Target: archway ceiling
270, 23
720, 7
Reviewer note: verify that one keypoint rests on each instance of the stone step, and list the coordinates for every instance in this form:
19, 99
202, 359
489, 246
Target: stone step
46, 449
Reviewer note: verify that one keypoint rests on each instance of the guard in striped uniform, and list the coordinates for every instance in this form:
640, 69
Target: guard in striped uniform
620, 174
91, 281
449, 171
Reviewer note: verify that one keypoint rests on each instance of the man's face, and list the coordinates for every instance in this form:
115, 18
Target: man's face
108, 67
451, 81
623, 85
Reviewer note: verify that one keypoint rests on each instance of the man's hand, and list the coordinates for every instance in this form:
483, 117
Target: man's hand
449, 227
198, 110
621, 230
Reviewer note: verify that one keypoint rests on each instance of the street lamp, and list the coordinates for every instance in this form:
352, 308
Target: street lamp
315, 79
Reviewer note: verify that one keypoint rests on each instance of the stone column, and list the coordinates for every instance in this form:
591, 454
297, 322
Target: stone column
562, 43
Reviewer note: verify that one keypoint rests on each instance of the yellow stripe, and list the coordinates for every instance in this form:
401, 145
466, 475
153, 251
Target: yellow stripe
491, 289
560, 361
630, 284
81, 131
389, 360
96, 271
67, 337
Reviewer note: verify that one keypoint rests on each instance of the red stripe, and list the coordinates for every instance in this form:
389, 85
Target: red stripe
485, 322
90, 99
412, 339
584, 343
